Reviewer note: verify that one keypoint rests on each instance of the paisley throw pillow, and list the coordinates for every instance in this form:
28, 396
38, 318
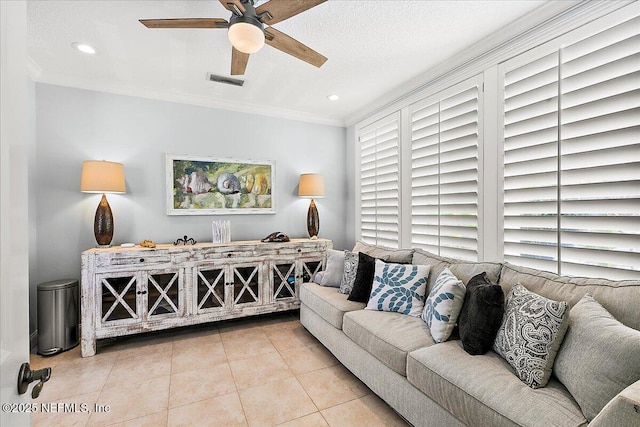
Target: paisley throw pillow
399, 288
349, 272
531, 333
443, 305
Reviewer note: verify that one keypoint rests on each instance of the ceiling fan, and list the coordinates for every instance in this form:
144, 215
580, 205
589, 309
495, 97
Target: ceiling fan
247, 31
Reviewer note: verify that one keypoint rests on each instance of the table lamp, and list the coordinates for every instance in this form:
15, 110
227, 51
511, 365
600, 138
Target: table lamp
99, 176
312, 185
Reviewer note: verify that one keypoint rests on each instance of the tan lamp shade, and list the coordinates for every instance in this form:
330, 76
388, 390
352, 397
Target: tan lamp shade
99, 176
311, 185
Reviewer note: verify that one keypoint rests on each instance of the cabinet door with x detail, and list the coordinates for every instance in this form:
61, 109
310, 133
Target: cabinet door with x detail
117, 299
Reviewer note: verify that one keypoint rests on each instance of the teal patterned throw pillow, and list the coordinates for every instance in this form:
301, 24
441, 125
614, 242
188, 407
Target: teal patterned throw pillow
443, 305
399, 288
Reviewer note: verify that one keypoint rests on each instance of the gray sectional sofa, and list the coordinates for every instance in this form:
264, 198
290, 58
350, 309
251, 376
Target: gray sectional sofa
440, 384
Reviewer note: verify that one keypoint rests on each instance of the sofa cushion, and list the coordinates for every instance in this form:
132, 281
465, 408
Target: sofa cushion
399, 288
399, 256
481, 315
436, 263
334, 270
442, 307
483, 391
597, 347
327, 302
349, 272
620, 298
389, 337
531, 333
364, 278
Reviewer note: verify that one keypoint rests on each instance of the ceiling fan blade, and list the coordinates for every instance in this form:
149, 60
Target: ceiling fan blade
185, 23
283, 9
238, 62
229, 5
293, 47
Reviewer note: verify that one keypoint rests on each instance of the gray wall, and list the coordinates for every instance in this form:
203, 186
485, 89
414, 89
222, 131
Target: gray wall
73, 125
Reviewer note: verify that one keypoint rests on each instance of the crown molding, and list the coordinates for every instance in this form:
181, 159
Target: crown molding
542, 25
33, 69
177, 97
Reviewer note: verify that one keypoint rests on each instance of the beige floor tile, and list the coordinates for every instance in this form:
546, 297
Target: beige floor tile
309, 358
158, 419
146, 363
220, 411
188, 357
193, 386
313, 420
74, 377
332, 386
245, 346
291, 337
239, 328
276, 402
134, 349
135, 399
255, 371
370, 411
73, 411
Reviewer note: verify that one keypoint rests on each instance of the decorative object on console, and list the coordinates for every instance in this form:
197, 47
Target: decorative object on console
186, 240
442, 307
481, 314
312, 185
221, 231
398, 288
99, 176
199, 185
147, 244
276, 236
531, 333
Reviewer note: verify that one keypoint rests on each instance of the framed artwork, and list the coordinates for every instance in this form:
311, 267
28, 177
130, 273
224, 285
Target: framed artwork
199, 185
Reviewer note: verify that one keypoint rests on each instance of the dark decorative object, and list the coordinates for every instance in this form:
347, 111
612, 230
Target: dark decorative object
102, 177
277, 236
481, 315
364, 278
103, 223
186, 240
312, 185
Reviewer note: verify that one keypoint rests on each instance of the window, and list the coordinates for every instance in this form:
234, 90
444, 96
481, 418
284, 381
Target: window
572, 156
444, 172
380, 182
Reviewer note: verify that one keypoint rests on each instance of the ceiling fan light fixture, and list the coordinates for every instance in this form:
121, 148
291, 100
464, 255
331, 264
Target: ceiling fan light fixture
246, 37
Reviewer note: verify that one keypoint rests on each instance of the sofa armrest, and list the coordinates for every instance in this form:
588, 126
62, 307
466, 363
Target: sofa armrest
622, 410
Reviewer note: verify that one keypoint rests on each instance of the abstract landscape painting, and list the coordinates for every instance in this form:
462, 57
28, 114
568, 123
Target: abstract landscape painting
212, 186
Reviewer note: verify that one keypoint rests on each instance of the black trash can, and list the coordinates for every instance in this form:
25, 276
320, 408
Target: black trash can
58, 316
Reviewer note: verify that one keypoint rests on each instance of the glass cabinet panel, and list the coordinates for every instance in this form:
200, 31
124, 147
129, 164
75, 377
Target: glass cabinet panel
162, 296
284, 280
246, 284
310, 268
118, 297
210, 288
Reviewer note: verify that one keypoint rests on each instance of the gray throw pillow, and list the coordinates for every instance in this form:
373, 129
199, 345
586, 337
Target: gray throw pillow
335, 267
349, 272
531, 333
599, 356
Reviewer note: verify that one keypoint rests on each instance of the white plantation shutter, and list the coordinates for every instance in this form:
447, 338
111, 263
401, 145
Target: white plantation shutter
572, 157
600, 154
380, 182
444, 172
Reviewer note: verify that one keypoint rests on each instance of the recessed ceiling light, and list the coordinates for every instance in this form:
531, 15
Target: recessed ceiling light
333, 97
84, 48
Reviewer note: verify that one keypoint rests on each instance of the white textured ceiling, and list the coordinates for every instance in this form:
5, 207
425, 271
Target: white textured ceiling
373, 47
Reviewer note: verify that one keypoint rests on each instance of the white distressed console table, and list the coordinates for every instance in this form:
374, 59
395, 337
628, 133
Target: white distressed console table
133, 290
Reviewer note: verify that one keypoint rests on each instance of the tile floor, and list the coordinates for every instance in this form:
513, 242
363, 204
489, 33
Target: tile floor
261, 371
